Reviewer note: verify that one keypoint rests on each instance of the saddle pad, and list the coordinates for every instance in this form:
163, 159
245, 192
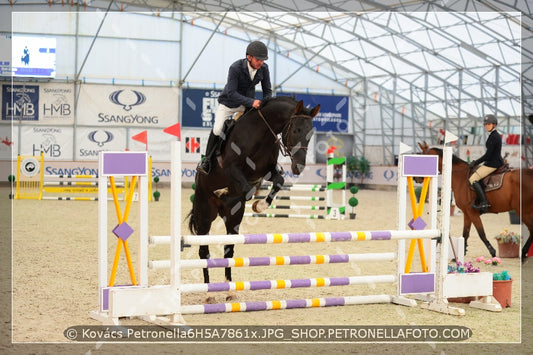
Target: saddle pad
495, 180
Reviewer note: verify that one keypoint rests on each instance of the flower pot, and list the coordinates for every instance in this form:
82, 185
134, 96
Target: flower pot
508, 250
501, 290
352, 215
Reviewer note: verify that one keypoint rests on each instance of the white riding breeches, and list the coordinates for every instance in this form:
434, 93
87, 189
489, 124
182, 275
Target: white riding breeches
224, 113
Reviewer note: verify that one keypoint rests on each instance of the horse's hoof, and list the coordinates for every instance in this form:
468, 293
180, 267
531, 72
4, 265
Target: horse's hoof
231, 298
221, 192
492, 251
259, 206
210, 300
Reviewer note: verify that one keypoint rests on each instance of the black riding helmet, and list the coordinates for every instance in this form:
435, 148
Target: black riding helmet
258, 50
490, 119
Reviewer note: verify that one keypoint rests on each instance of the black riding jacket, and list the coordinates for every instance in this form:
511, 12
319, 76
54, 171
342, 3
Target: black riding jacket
240, 88
493, 154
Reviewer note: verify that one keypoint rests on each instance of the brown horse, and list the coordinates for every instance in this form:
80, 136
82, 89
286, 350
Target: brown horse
516, 194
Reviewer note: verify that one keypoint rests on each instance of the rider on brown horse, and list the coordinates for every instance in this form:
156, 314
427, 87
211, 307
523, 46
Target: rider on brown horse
492, 160
238, 95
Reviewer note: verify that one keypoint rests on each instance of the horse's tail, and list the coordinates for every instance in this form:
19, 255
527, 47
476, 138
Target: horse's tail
194, 214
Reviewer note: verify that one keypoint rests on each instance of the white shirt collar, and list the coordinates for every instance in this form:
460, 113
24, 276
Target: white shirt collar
251, 70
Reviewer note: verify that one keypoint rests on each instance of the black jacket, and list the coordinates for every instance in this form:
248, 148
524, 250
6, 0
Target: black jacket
240, 89
493, 155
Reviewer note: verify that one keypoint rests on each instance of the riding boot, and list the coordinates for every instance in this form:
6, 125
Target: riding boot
483, 204
213, 144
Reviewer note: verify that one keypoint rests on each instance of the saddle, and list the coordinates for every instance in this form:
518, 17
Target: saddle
495, 179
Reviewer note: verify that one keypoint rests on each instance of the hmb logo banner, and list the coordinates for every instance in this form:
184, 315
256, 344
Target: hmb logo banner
20, 102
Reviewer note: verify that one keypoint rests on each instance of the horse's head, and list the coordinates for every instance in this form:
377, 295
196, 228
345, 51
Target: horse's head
427, 150
297, 135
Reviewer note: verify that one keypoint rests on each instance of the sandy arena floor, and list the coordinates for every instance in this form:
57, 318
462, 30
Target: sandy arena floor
55, 276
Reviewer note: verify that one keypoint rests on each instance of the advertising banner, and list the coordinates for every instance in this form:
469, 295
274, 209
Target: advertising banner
55, 142
91, 140
20, 102
324, 141
199, 106
333, 115
47, 103
127, 106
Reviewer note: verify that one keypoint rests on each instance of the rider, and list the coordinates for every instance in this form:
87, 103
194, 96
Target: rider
492, 160
238, 95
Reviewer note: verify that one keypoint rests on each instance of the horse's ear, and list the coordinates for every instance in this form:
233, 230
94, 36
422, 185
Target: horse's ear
315, 110
421, 146
299, 107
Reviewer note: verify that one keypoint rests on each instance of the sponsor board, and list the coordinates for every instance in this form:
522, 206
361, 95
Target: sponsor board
38, 103
123, 106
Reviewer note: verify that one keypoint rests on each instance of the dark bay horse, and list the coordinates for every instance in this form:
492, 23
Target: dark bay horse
250, 155
516, 194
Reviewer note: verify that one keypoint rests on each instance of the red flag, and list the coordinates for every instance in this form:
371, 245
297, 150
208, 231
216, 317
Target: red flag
174, 130
141, 137
331, 149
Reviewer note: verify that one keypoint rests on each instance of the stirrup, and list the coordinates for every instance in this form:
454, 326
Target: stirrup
204, 169
483, 208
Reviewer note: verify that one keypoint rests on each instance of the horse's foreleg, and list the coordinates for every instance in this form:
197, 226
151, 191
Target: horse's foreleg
228, 253
204, 254
277, 182
526, 247
467, 223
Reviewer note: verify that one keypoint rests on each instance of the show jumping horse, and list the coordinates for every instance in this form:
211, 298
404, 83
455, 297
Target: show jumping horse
250, 155
510, 196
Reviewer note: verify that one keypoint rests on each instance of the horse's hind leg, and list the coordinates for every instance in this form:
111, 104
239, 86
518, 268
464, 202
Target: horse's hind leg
483, 236
228, 253
232, 218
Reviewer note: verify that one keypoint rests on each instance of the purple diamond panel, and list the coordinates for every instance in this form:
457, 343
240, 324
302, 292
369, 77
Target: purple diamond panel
418, 224
123, 231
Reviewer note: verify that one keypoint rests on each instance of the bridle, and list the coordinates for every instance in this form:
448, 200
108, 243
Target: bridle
285, 149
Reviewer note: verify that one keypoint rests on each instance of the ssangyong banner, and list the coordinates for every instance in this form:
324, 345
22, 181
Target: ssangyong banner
47, 103
127, 106
333, 115
92, 140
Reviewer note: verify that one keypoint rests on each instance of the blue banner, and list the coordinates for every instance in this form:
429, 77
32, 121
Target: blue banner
333, 115
20, 102
199, 107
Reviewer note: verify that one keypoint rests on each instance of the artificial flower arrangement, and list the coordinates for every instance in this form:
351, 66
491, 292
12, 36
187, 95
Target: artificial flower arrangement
508, 237
501, 276
468, 267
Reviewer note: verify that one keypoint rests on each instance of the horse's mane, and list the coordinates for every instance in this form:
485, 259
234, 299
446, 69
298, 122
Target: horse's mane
455, 158
268, 100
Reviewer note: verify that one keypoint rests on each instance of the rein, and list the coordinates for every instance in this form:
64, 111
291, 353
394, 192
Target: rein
285, 149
